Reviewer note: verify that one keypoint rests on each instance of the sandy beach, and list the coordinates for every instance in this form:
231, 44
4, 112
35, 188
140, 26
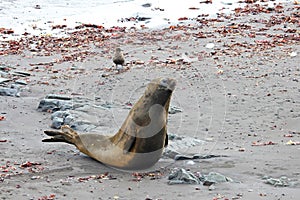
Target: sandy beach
237, 94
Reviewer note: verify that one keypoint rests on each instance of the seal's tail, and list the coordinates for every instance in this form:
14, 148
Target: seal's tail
66, 134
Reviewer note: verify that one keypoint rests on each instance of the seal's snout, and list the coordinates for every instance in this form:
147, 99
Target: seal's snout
168, 83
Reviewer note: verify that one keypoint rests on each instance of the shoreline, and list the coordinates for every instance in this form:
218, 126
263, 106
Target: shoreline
151, 14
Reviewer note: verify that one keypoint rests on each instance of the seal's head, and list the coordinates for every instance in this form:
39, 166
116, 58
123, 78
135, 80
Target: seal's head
167, 83
160, 91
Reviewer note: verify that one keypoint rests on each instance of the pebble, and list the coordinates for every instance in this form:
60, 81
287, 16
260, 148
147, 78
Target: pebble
210, 45
190, 162
35, 177
174, 110
293, 54
147, 5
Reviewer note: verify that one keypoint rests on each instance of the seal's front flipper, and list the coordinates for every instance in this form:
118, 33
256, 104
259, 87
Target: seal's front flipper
67, 135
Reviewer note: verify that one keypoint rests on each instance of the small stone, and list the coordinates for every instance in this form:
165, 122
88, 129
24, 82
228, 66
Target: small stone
174, 110
147, 5
210, 45
293, 54
227, 3
105, 75
116, 197
190, 162
35, 177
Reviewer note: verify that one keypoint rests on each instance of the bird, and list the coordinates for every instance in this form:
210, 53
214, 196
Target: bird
118, 58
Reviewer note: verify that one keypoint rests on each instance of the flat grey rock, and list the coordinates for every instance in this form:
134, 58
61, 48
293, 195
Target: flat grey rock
3, 80
14, 92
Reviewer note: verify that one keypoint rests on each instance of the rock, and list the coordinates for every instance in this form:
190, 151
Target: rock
3, 80
21, 73
142, 19
210, 45
147, 5
170, 153
174, 110
59, 97
66, 105
181, 176
21, 82
293, 54
174, 136
214, 177
68, 119
180, 142
57, 122
60, 114
195, 156
190, 162
46, 105
227, 3
283, 181
52, 105
37, 7
12, 91
211, 187
82, 125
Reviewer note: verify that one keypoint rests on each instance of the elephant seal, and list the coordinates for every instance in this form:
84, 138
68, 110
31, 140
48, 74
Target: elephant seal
140, 141
118, 58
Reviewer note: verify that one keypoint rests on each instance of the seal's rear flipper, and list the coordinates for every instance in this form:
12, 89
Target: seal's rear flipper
67, 135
